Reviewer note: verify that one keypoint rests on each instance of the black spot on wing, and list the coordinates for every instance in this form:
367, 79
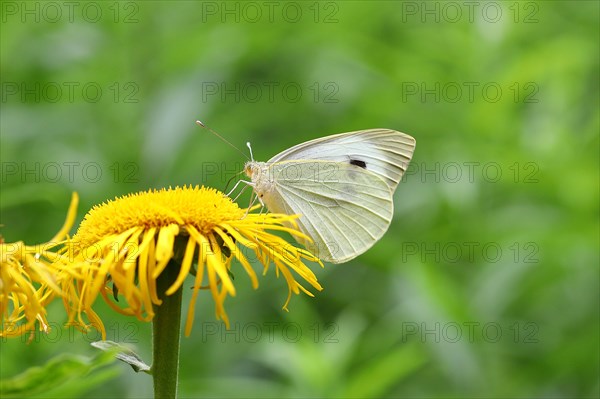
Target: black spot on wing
359, 163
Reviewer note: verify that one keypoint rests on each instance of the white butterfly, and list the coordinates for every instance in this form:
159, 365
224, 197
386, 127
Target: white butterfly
342, 185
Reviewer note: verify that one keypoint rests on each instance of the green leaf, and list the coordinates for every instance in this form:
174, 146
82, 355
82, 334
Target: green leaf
376, 378
124, 354
54, 373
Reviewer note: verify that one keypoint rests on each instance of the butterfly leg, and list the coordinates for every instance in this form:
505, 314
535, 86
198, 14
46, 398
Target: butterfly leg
236, 186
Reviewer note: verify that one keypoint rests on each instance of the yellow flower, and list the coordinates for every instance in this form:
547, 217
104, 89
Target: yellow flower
30, 277
131, 240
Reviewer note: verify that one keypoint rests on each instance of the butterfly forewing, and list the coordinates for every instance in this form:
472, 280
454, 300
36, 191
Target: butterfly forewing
384, 152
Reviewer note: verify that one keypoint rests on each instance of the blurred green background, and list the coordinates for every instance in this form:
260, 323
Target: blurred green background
487, 282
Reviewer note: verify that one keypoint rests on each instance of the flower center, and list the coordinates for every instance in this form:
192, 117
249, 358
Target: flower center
200, 207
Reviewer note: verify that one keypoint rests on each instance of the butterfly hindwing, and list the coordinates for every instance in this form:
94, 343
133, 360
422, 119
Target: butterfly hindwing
345, 207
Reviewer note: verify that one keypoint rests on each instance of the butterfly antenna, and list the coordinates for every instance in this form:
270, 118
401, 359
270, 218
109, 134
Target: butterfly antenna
250, 148
219, 136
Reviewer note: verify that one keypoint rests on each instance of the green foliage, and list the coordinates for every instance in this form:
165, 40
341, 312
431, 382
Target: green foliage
486, 284
50, 379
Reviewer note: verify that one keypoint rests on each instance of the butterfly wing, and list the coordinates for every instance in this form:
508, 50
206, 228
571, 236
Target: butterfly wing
384, 152
345, 208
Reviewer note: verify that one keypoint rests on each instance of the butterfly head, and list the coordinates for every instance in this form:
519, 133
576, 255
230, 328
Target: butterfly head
251, 169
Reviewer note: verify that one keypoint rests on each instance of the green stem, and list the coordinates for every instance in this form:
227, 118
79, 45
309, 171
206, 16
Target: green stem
166, 328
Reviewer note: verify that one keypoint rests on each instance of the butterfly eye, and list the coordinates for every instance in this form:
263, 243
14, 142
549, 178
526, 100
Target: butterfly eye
359, 163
